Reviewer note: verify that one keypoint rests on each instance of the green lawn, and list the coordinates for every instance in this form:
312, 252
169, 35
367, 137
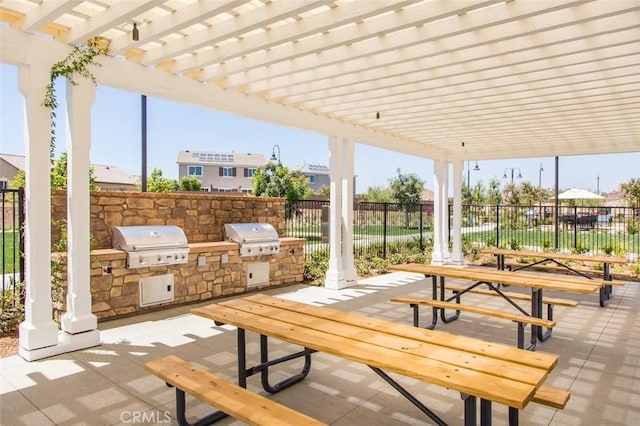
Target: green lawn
9, 256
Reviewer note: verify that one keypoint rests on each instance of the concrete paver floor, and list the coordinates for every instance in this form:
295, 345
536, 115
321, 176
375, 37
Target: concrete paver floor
598, 348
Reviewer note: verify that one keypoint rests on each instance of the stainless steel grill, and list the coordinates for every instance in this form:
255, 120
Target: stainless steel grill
151, 245
255, 239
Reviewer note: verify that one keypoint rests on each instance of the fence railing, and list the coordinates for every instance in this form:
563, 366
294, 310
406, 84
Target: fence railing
11, 252
378, 227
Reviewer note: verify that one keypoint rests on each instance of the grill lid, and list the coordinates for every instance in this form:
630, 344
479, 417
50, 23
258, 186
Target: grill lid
149, 237
244, 233
255, 239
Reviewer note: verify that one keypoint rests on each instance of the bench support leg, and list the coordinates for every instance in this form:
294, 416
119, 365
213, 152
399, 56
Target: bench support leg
265, 364
443, 315
469, 409
536, 311
419, 405
514, 415
203, 421
485, 412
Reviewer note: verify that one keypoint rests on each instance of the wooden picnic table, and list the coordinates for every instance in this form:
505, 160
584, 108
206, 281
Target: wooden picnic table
493, 279
556, 258
560, 259
477, 369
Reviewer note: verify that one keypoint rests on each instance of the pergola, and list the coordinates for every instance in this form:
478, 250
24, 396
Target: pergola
444, 80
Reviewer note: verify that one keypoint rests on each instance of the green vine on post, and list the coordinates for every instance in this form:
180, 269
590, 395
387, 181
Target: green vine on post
76, 63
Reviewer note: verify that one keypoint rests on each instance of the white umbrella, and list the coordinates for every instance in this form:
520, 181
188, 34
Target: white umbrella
579, 194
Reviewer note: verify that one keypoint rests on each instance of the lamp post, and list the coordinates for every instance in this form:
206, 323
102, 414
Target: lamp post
273, 154
598, 184
512, 170
475, 169
540, 170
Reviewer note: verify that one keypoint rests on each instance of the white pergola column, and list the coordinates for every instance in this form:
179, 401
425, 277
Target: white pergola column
348, 265
457, 257
38, 330
436, 255
78, 317
444, 204
335, 278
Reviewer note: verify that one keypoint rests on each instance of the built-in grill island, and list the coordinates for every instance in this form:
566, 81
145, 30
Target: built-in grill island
151, 245
255, 239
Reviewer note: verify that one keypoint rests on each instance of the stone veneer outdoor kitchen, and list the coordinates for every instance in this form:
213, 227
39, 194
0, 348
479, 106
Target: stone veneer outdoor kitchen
215, 267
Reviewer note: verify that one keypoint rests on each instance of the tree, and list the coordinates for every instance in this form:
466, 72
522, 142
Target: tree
494, 196
378, 194
58, 175
158, 183
631, 191
324, 190
407, 191
190, 183
276, 180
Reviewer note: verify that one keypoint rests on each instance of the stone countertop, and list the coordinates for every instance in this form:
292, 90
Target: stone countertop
109, 254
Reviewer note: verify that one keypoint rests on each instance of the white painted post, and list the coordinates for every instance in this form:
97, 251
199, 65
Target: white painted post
334, 278
78, 317
457, 257
444, 203
348, 265
38, 330
436, 255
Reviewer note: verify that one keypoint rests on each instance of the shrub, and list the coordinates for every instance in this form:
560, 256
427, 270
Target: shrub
12, 313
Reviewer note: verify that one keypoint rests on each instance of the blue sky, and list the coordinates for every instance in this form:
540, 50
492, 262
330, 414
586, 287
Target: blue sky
173, 127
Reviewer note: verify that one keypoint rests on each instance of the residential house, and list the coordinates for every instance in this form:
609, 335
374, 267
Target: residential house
107, 178
112, 178
220, 171
317, 174
9, 166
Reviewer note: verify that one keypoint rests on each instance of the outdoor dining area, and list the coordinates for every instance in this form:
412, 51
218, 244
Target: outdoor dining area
594, 354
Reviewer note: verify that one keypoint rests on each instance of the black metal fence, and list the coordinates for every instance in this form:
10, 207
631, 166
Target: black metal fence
379, 227
12, 259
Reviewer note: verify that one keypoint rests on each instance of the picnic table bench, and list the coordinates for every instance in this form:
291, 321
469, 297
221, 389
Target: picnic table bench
490, 372
230, 399
493, 279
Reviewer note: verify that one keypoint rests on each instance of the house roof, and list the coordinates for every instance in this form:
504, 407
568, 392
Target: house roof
448, 80
17, 161
113, 174
221, 158
316, 169
101, 172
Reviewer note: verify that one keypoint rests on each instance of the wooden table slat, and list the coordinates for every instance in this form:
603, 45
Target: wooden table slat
498, 277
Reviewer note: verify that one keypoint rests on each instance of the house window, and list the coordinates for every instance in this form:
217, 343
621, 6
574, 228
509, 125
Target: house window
194, 170
249, 171
227, 171
312, 179
225, 190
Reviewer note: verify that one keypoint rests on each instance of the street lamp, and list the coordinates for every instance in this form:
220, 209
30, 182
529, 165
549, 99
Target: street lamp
273, 154
512, 170
540, 176
475, 169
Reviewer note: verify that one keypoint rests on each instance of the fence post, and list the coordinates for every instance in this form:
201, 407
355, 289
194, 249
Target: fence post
421, 244
384, 230
21, 236
497, 225
575, 227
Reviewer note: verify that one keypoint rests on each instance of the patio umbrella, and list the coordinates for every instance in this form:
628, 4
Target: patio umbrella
579, 194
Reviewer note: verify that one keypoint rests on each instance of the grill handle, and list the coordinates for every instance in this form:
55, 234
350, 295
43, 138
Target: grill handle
256, 240
157, 247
